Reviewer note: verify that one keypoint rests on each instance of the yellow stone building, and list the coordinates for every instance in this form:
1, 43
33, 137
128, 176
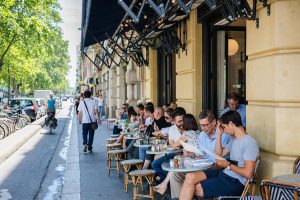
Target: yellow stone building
273, 93
264, 70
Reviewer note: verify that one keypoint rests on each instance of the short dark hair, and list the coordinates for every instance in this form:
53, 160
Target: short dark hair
231, 116
87, 94
149, 108
150, 104
207, 114
189, 123
140, 106
179, 111
234, 96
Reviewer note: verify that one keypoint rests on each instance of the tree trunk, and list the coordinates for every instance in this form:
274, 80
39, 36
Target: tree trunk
6, 50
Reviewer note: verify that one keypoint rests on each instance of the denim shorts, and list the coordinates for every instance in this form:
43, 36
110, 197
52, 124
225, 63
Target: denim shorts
220, 184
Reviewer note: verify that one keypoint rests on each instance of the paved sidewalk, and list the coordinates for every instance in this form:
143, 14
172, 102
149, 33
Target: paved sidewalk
91, 180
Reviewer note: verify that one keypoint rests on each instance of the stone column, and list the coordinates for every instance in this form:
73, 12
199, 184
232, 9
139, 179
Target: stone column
112, 92
273, 93
121, 97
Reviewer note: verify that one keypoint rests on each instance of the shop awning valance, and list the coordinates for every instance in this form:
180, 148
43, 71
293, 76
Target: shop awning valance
99, 17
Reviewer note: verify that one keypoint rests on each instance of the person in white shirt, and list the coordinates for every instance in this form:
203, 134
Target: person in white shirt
88, 113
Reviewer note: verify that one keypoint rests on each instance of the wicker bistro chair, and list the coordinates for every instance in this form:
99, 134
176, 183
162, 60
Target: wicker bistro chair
116, 155
126, 165
252, 181
273, 190
113, 146
296, 168
111, 140
136, 175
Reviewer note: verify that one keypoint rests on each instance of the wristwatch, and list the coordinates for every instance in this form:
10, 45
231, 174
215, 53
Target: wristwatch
228, 167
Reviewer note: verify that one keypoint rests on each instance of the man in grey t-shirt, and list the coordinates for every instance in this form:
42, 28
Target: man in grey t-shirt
230, 181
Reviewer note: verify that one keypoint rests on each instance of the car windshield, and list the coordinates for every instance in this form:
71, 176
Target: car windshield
20, 102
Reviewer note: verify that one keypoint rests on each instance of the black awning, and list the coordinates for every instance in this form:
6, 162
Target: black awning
100, 17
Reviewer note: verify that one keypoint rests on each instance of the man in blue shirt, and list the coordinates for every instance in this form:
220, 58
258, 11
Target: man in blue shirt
209, 134
233, 102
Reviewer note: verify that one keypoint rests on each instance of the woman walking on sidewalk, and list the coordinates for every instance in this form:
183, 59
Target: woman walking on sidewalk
88, 113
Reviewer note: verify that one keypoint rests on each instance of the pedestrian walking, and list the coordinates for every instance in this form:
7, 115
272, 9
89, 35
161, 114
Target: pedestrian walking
100, 105
87, 114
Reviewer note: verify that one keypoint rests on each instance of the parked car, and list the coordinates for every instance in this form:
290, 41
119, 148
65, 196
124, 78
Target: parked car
28, 105
64, 98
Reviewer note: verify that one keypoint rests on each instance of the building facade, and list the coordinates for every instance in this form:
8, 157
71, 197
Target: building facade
257, 59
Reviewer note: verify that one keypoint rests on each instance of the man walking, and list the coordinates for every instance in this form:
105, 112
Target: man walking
88, 113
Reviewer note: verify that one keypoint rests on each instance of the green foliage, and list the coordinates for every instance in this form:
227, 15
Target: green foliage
31, 45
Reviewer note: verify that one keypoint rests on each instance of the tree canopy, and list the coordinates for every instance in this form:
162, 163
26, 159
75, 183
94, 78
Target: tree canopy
33, 52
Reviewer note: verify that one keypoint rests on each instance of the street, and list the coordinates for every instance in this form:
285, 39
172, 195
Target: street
53, 166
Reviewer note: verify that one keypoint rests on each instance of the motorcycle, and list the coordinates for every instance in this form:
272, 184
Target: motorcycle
51, 121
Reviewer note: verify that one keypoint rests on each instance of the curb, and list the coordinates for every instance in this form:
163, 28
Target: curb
12, 143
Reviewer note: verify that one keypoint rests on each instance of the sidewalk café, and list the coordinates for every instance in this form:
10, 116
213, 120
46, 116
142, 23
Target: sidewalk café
196, 53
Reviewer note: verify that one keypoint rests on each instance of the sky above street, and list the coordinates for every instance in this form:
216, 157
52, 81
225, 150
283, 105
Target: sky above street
71, 15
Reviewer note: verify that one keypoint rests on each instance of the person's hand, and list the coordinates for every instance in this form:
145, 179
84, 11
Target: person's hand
79, 121
220, 129
183, 138
156, 133
222, 163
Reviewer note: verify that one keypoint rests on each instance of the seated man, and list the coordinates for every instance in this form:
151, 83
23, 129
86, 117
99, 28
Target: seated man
231, 180
233, 102
207, 139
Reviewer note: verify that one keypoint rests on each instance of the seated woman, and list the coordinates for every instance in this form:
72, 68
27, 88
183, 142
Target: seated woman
122, 115
132, 115
191, 135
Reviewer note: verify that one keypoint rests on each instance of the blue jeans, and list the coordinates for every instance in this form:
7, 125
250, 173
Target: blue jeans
88, 135
142, 152
100, 109
156, 165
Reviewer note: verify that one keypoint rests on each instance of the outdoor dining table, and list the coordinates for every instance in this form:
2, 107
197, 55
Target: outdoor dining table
141, 145
164, 152
288, 178
131, 137
185, 168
